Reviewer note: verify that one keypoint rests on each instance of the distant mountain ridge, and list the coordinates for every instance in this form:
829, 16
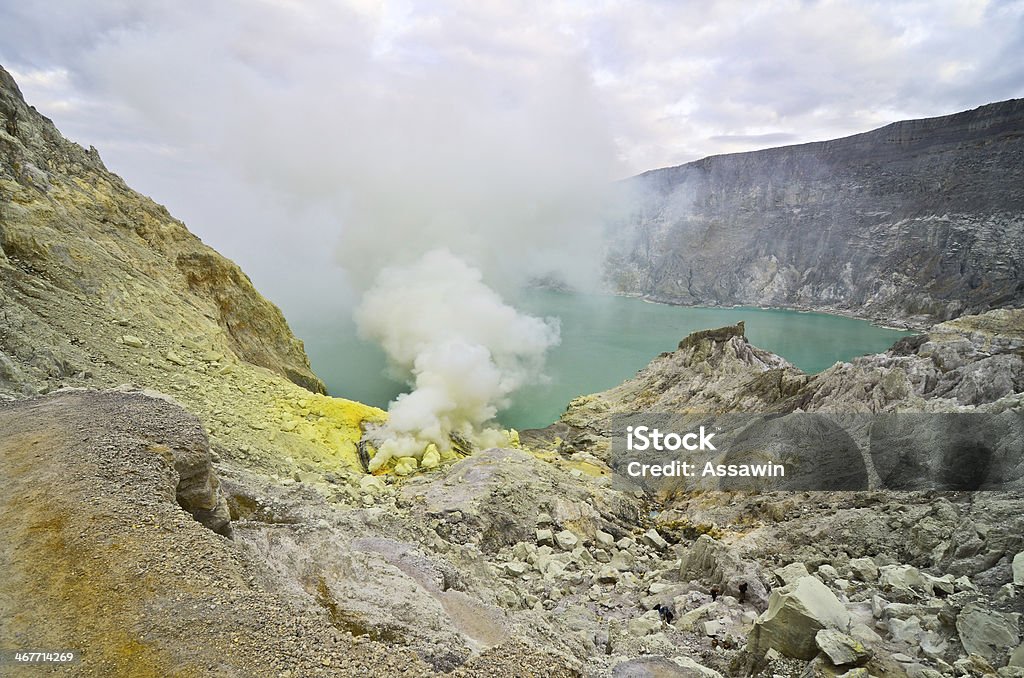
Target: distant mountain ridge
914, 222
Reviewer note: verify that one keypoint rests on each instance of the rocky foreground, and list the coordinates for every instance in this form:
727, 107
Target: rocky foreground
177, 497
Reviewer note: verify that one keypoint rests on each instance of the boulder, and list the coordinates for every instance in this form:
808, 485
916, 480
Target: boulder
840, 648
1018, 569
654, 540
1017, 656
645, 625
795, 614
694, 670
864, 569
986, 632
791, 573
566, 540
623, 561
902, 577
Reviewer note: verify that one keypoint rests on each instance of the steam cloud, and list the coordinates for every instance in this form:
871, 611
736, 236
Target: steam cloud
438, 168
461, 347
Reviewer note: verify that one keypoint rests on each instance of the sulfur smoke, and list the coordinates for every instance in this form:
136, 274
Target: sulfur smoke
416, 166
460, 346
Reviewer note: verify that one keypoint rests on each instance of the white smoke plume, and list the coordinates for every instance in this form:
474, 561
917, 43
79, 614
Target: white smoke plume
363, 137
461, 347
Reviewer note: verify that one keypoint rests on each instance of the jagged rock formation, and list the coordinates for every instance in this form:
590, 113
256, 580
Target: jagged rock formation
902, 581
974, 361
915, 222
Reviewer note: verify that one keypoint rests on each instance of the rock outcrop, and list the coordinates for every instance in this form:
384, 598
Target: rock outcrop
916, 222
100, 286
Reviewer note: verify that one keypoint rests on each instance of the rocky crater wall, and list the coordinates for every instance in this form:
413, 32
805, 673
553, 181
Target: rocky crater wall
916, 222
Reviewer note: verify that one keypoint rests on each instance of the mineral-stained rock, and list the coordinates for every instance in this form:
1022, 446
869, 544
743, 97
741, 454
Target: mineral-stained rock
841, 649
986, 632
794, 616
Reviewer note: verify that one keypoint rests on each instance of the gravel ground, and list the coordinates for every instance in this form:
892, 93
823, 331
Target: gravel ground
97, 556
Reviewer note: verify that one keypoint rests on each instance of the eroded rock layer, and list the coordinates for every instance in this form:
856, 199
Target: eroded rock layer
915, 222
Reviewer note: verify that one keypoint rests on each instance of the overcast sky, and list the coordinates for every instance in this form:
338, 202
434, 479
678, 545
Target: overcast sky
283, 119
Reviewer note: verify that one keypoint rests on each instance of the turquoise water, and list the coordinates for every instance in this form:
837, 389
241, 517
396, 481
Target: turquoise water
605, 340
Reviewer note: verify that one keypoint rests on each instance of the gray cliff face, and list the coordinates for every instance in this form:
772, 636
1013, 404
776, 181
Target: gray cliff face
916, 222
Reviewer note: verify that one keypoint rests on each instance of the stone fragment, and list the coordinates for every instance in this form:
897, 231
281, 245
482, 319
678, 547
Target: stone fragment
945, 583
901, 577
713, 628
791, 573
566, 540
795, 614
405, 465
906, 631
840, 648
654, 540
687, 620
545, 537
933, 645
175, 359
985, 632
827, 573
132, 340
604, 539
864, 569
645, 625
964, 584
1018, 569
515, 568
623, 561
1006, 593
371, 484
607, 575
1017, 656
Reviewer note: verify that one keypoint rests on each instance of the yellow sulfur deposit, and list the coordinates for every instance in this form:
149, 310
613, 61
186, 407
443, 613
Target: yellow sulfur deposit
324, 428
